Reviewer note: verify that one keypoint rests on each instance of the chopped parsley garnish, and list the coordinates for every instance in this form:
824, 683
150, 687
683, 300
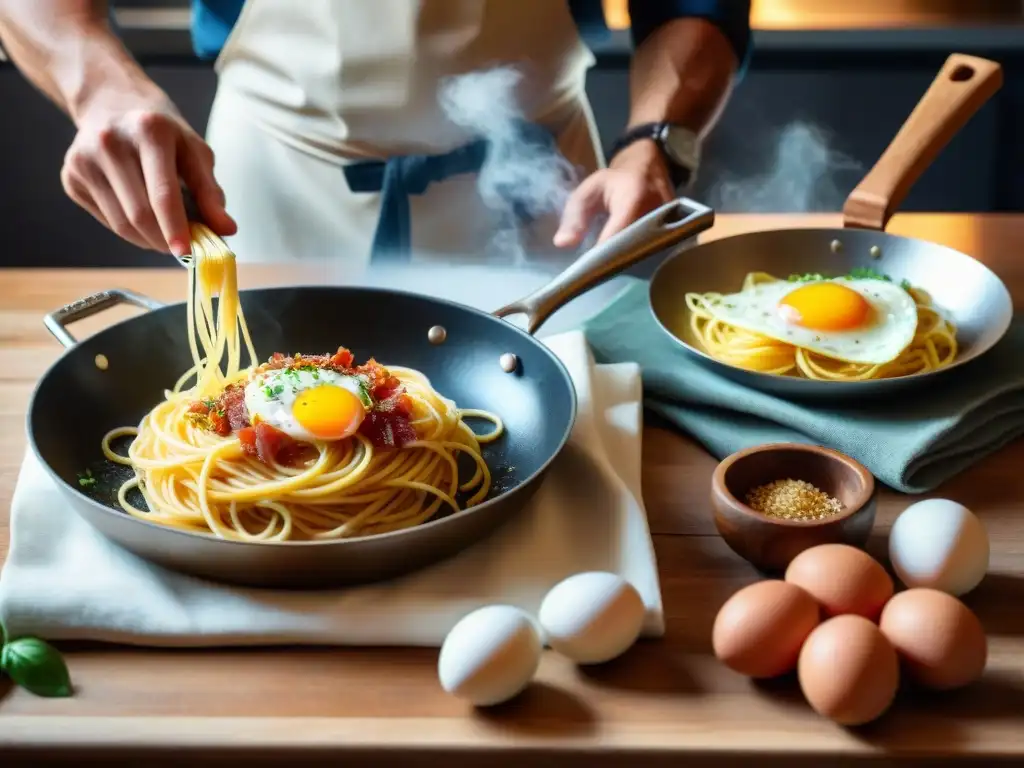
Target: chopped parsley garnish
294, 372
806, 277
86, 480
867, 273
273, 391
857, 273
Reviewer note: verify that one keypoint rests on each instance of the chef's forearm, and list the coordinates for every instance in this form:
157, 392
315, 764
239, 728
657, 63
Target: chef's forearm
67, 49
683, 73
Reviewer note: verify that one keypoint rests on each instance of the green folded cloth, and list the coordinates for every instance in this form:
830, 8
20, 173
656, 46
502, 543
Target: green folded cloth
912, 443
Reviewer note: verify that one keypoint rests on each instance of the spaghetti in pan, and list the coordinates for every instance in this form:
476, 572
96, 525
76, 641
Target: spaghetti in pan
299, 447
854, 327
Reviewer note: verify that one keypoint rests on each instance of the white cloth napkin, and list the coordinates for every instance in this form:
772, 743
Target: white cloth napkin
63, 580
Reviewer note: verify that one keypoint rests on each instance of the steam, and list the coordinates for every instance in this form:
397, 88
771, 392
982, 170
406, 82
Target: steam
805, 176
524, 177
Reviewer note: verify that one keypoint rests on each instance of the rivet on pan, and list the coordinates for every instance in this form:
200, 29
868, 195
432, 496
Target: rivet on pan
508, 362
875, 251
836, 246
101, 362
437, 334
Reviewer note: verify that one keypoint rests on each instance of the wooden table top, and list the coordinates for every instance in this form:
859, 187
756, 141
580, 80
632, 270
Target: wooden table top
663, 698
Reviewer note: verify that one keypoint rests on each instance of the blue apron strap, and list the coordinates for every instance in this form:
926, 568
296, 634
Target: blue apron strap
400, 176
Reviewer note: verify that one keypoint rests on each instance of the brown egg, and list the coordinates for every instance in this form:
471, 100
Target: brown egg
848, 670
759, 630
940, 640
843, 579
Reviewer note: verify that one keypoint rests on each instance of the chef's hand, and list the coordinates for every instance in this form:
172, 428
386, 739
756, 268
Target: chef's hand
634, 183
124, 165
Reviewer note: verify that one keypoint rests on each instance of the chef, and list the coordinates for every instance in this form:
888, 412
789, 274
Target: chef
331, 137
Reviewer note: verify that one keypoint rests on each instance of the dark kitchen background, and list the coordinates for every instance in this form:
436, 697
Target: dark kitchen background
828, 86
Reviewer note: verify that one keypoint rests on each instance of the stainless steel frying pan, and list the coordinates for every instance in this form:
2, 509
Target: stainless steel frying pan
973, 297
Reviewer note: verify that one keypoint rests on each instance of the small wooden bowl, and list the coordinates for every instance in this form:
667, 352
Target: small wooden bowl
770, 543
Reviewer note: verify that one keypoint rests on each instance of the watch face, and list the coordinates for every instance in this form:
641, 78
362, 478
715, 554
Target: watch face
681, 145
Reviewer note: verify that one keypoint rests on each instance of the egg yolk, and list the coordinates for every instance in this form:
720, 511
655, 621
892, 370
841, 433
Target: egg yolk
825, 307
329, 412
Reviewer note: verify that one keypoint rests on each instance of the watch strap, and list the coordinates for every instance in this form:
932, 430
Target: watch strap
637, 133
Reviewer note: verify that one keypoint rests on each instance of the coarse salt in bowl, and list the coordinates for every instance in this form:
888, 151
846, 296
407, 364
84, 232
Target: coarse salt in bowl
771, 502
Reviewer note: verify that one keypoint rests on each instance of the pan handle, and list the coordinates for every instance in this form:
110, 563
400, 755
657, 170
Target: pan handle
57, 322
962, 87
664, 227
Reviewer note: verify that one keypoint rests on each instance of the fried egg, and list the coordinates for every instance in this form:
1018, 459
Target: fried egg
853, 320
308, 404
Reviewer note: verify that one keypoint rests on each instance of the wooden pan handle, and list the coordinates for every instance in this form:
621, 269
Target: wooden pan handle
963, 85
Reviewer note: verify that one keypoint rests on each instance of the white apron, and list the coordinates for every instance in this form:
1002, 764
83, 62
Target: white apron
309, 86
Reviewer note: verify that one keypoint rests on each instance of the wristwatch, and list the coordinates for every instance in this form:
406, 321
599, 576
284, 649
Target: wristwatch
679, 146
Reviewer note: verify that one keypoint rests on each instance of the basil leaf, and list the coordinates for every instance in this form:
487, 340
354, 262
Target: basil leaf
36, 666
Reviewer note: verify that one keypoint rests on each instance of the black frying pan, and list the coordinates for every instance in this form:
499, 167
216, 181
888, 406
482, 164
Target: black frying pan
76, 403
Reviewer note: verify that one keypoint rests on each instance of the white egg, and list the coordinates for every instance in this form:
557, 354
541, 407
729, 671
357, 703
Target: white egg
939, 544
490, 655
831, 323
592, 617
271, 396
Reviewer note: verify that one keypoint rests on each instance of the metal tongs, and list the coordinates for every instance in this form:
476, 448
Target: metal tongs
193, 215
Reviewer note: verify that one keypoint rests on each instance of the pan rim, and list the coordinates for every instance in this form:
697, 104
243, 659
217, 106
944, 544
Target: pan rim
825, 384
262, 545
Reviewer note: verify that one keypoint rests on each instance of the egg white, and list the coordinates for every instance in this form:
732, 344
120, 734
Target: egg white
889, 330
270, 397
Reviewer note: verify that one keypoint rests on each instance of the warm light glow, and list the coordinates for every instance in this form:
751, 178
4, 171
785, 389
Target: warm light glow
616, 13
961, 233
819, 14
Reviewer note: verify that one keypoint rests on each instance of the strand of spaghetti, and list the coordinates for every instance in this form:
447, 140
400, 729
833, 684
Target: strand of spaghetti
302, 481
270, 489
353, 522
476, 413
270, 532
204, 502
429, 489
365, 514
448, 456
114, 434
333, 519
